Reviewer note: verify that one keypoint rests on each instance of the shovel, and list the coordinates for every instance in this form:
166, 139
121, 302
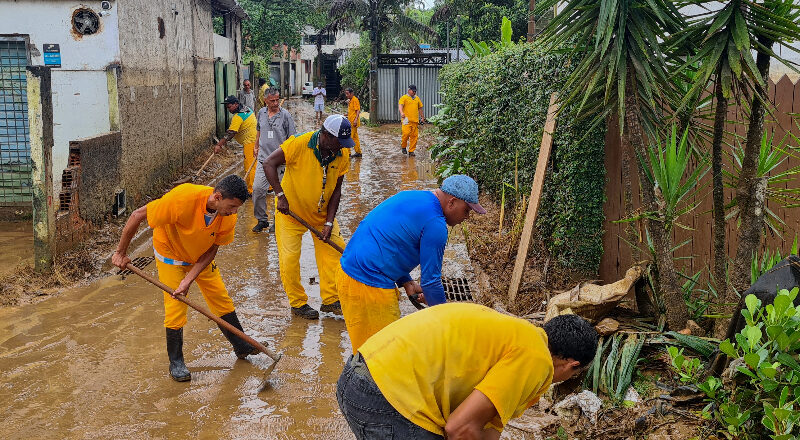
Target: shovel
412, 298
274, 356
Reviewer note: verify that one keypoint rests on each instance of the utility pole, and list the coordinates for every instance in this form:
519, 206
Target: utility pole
375, 40
458, 38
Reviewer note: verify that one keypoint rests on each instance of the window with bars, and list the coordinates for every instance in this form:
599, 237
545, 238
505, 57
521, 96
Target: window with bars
15, 152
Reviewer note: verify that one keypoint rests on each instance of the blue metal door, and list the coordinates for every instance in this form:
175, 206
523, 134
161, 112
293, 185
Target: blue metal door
15, 150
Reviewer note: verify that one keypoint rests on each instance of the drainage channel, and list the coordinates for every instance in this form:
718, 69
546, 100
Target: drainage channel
138, 262
457, 289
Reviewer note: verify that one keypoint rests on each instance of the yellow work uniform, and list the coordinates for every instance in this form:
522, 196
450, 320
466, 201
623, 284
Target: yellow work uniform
180, 238
303, 185
245, 126
352, 115
366, 309
410, 129
427, 363
260, 99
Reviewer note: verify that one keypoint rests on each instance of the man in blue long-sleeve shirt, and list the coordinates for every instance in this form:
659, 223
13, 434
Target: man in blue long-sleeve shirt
407, 230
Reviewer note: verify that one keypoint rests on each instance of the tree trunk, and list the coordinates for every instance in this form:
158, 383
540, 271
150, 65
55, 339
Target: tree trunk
720, 256
677, 312
373, 63
750, 195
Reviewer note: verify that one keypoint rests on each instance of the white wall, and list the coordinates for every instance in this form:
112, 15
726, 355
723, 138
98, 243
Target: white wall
224, 48
80, 94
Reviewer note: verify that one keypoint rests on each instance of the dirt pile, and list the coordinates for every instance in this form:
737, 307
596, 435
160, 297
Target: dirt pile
493, 251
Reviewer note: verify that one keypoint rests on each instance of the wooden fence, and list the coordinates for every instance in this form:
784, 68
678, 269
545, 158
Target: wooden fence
698, 253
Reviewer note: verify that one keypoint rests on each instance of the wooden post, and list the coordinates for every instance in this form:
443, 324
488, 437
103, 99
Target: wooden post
536, 195
40, 120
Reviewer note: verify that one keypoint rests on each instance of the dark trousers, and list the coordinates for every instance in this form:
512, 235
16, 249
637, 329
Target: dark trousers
369, 414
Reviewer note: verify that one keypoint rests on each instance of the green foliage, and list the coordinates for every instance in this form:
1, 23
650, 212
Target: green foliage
492, 115
669, 172
619, 43
688, 369
479, 19
761, 400
273, 23
475, 49
770, 157
355, 71
611, 371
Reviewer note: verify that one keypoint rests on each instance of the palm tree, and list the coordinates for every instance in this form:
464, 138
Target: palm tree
379, 17
622, 72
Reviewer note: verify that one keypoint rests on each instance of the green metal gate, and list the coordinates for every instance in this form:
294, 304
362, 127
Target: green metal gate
15, 150
225, 84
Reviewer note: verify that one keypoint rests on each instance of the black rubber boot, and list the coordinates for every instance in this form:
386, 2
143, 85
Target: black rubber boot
177, 368
240, 347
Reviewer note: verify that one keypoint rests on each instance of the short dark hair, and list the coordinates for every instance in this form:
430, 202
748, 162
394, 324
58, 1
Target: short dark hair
349, 90
272, 91
412, 87
261, 81
571, 337
233, 187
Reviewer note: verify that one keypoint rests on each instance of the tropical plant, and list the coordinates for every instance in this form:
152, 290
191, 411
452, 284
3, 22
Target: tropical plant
380, 18
611, 371
768, 22
673, 178
475, 49
355, 69
771, 184
767, 261
761, 400
477, 19
621, 72
275, 23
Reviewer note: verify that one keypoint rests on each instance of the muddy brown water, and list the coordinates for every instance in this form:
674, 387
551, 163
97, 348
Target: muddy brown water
91, 362
16, 241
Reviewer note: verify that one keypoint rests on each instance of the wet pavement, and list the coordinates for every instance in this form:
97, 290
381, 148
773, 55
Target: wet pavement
91, 362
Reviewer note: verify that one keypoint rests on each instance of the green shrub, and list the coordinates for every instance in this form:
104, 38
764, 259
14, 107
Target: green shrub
493, 109
355, 72
761, 399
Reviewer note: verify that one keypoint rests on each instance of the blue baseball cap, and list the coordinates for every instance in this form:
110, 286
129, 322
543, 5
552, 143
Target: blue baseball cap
339, 126
464, 188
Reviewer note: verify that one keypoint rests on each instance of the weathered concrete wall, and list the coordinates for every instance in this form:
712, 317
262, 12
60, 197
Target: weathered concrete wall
99, 158
166, 89
80, 102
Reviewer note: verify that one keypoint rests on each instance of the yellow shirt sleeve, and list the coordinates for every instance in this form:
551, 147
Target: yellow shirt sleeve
345, 159
419, 101
503, 386
402, 100
164, 210
225, 234
236, 123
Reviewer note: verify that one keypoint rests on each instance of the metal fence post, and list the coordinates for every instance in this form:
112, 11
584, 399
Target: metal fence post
40, 120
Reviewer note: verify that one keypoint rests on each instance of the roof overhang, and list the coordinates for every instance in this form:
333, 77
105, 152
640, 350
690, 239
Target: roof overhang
223, 7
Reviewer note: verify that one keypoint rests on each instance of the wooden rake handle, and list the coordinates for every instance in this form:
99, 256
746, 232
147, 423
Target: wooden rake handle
315, 231
275, 357
250, 169
412, 298
197, 174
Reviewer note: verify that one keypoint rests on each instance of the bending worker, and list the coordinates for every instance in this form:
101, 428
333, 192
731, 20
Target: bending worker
316, 163
354, 116
410, 107
459, 371
275, 125
407, 230
189, 224
243, 129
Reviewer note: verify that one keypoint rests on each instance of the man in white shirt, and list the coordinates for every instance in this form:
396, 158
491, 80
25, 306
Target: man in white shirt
319, 93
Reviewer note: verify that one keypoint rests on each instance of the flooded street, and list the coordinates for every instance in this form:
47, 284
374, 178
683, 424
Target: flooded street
91, 362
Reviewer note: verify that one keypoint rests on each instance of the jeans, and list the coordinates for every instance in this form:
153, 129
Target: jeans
369, 414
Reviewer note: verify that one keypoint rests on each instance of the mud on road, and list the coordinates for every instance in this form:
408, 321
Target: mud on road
91, 362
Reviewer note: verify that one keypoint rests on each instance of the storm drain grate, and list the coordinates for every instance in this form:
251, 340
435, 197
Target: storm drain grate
139, 262
457, 289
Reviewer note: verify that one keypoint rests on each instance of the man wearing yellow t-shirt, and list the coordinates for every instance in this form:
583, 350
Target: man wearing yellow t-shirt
316, 163
458, 370
243, 128
354, 116
410, 107
190, 223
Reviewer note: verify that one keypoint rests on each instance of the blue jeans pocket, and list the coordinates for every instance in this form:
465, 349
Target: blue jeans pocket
375, 431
